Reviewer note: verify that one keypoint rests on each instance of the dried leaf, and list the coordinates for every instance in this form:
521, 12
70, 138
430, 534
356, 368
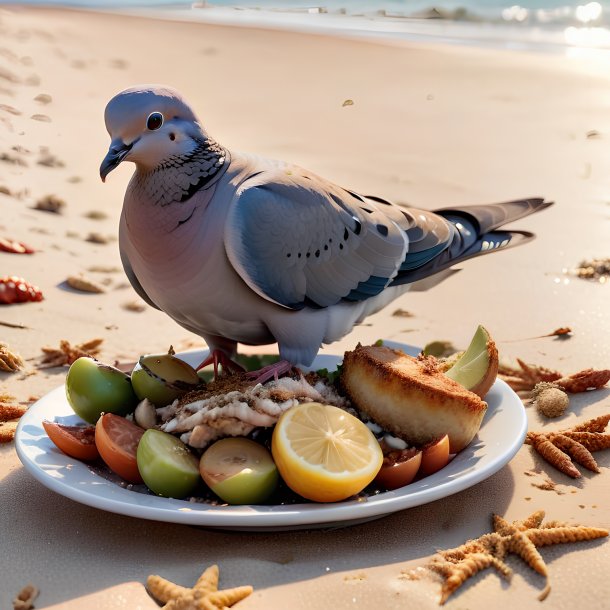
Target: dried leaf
67, 354
50, 203
583, 381
10, 362
439, 349
136, 306
12, 325
402, 313
97, 238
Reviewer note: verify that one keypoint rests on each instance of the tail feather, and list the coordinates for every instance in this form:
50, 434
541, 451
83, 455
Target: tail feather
491, 217
475, 233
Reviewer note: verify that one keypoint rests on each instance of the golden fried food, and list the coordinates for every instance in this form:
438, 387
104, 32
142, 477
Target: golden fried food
410, 397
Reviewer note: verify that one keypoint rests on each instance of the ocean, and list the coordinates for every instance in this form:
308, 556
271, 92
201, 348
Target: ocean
542, 25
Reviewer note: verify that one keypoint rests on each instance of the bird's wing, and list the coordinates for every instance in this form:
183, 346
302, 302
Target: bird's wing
298, 240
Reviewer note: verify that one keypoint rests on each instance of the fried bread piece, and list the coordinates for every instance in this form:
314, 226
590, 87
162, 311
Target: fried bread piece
410, 397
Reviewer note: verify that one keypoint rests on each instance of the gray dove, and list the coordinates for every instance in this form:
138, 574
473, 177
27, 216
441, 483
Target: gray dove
239, 248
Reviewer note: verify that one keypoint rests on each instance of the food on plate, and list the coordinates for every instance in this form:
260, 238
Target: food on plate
381, 421
239, 471
410, 397
117, 441
166, 465
399, 468
435, 455
235, 406
76, 441
204, 595
93, 388
477, 368
324, 453
162, 378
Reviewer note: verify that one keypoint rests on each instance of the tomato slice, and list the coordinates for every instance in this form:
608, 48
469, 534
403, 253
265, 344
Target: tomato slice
399, 468
117, 441
76, 441
435, 455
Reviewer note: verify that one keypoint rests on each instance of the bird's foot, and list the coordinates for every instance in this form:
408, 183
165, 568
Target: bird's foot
218, 357
272, 371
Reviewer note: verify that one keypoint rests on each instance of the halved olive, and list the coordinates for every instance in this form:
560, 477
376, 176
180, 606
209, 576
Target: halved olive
162, 378
93, 388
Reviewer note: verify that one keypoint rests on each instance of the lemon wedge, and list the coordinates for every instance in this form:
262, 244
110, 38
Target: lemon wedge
324, 453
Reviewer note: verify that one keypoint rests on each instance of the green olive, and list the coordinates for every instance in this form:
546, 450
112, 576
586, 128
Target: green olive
93, 388
162, 378
239, 471
167, 466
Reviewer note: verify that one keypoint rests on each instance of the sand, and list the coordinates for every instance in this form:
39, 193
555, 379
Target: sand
430, 125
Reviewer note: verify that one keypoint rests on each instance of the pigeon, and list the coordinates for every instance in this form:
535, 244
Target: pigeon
239, 248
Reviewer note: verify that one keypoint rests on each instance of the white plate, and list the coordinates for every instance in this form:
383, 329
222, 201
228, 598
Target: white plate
501, 434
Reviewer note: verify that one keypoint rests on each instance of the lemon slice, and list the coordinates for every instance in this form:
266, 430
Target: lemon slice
323, 453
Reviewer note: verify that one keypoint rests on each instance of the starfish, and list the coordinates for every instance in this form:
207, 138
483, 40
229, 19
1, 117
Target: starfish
203, 596
520, 537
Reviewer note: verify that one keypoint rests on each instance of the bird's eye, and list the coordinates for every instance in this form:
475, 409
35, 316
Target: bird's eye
154, 121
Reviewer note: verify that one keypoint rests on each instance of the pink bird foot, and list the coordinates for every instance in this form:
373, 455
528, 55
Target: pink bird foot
218, 357
272, 371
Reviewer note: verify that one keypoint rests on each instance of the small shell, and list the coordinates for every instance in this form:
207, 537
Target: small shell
83, 284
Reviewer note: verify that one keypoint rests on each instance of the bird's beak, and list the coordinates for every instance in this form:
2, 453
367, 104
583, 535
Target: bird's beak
116, 153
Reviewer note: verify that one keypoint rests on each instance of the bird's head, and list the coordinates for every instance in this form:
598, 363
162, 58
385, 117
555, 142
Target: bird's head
147, 125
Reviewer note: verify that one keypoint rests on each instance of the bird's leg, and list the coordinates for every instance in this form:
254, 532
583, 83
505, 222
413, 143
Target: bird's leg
218, 357
272, 371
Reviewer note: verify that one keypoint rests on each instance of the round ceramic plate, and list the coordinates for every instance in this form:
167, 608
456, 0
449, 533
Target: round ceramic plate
502, 433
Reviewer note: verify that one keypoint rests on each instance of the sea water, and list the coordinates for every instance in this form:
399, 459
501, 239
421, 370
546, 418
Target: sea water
555, 25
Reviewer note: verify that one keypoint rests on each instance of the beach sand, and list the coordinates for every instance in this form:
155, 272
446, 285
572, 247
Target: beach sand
429, 125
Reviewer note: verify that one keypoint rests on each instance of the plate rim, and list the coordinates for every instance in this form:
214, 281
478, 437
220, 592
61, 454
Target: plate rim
292, 516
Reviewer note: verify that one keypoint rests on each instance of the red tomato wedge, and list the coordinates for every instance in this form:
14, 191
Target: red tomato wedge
117, 441
435, 455
399, 468
76, 441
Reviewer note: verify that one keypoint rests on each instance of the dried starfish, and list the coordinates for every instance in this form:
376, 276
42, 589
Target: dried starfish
203, 596
575, 444
67, 354
520, 537
457, 574
526, 376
